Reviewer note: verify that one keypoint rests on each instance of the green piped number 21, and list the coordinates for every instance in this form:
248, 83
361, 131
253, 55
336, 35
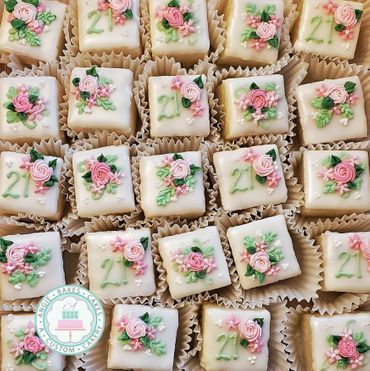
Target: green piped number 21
318, 23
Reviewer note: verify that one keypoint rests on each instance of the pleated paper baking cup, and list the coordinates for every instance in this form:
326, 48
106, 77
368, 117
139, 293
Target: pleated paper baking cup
169, 67
106, 60
294, 73
96, 358
285, 46
301, 287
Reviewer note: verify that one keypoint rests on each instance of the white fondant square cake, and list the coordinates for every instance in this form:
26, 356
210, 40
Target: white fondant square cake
105, 25
142, 338
194, 262
250, 177
29, 108
32, 265
120, 263
331, 110
254, 106
335, 182
329, 28
103, 181
178, 106
101, 99
172, 185
346, 261
30, 183
263, 252
235, 339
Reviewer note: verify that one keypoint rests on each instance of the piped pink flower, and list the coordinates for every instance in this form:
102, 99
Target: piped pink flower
333, 355
176, 83
231, 323
257, 44
187, 28
249, 155
118, 244
330, 7
197, 108
273, 180
355, 241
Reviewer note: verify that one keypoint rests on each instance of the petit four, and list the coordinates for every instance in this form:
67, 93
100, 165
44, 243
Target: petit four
21, 347
336, 342
30, 183
142, 338
346, 261
29, 108
254, 106
102, 99
335, 182
331, 110
105, 25
194, 262
33, 29
329, 28
172, 185
179, 28
120, 263
103, 181
250, 177
178, 106
235, 339
253, 32
263, 252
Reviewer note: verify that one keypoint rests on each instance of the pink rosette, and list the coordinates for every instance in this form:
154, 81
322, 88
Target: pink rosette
191, 91
89, 84
344, 172
250, 330
15, 254
120, 5
257, 98
180, 169
36, 26
134, 251
100, 173
263, 165
347, 348
174, 17
266, 31
260, 262
365, 249
22, 103
338, 94
345, 15
40, 171
195, 262
25, 11
33, 344
135, 328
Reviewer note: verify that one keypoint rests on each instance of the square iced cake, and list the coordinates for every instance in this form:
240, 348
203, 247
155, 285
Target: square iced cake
253, 30
235, 339
346, 261
29, 108
26, 355
142, 338
120, 263
254, 106
178, 106
172, 185
101, 99
105, 25
194, 262
329, 28
30, 183
335, 182
32, 265
263, 252
336, 342
331, 110
103, 181
33, 29
250, 177
179, 28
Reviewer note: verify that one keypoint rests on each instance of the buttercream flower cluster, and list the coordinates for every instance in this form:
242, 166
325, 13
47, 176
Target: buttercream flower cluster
361, 245
121, 10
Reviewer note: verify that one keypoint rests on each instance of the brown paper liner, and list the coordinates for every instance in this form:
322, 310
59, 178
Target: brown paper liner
302, 287
105, 60
73, 47
294, 73
319, 70
285, 47
96, 358
169, 67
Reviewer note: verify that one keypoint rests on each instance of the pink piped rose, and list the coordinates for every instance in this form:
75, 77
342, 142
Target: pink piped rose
347, 348
338, 94
263, 165
120, 5
40, 171
25, 11
135, 328
33, 344
195, 261
260, 262
180, 169
36, 26
345, 15
266, 31
344, 172
15, 254
191, 91
257, 98
89, 84
174, 17
134, 251
365, 249
250, 330
22, 103
100, 173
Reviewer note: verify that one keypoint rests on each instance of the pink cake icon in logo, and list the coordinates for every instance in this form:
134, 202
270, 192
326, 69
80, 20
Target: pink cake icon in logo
70, 320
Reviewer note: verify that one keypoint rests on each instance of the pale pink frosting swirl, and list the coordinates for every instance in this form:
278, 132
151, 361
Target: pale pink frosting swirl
344, 172
257, 98
40, 171
263, 165
89, 84
345, 15
266, 31
260, 262
134, 251
100, 173
250, 330
195, 262
180, 169
33, 344
15, 254
22, 103
191, 91
120, 5
347, 348
365, 249
26, 12
174, 17
338, 94
135, 328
